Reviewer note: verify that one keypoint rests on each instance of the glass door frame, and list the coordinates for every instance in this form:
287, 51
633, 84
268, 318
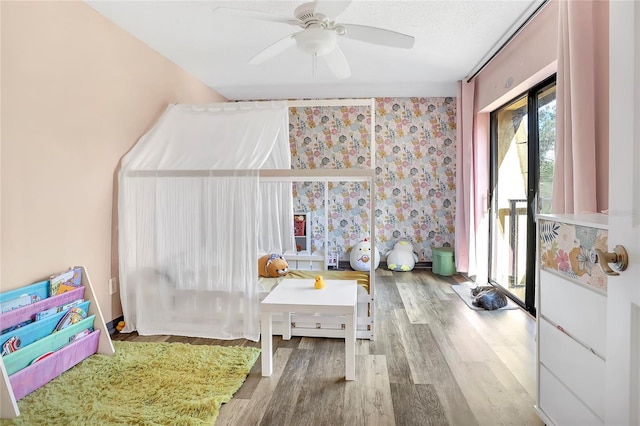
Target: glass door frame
532, 188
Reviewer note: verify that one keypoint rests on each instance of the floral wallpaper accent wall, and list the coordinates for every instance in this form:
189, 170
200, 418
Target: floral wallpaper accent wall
564, 248
332, 138
415, 172
329, 137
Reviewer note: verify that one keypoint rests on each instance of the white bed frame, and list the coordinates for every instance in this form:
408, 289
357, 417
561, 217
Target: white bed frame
325, 326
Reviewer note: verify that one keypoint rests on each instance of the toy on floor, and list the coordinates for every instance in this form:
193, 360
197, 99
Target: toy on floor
360, 257
120, 326
319, 284
402, 257
273, 266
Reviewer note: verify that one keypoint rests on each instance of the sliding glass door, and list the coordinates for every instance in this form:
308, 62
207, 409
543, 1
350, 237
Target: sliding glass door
522, 152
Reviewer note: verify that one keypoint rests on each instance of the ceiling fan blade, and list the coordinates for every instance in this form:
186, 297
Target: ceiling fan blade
274, 49
377, 36
337, 63
253, 14
330, 8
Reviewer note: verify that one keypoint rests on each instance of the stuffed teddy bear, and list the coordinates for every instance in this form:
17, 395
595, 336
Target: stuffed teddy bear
360, 257
401, 257
273, 266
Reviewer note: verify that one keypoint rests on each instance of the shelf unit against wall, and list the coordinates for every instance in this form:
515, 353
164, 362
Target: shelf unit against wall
304, 258
302, 231
21, 375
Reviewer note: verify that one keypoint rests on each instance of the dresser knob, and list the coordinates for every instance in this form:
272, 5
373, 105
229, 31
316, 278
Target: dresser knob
618, 259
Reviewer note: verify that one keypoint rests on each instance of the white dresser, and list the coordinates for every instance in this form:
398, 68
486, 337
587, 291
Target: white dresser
571, 320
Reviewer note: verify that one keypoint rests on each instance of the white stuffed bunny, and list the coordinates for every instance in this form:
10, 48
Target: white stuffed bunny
401, 257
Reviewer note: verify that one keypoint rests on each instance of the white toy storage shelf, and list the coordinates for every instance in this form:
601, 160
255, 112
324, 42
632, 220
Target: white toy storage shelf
302, 230
304, 258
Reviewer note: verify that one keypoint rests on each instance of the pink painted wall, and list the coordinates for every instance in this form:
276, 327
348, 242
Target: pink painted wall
531, 57
77, 93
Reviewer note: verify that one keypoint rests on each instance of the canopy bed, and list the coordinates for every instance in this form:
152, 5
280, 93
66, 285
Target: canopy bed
201, 196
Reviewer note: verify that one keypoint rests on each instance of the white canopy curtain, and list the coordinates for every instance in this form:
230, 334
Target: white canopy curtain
193, 216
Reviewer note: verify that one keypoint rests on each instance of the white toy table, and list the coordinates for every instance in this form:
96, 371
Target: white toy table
300, 296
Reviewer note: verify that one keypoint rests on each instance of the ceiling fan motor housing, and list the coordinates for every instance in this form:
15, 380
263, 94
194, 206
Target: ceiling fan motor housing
306, 14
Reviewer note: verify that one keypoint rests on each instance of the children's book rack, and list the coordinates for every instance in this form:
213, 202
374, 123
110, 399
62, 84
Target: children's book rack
45, 349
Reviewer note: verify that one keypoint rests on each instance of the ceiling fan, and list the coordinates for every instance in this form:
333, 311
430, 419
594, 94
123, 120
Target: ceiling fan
320, 33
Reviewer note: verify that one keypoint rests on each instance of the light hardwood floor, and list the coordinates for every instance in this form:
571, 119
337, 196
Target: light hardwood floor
434, 361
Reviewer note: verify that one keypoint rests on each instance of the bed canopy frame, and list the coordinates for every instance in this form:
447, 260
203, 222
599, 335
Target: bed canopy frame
177, 276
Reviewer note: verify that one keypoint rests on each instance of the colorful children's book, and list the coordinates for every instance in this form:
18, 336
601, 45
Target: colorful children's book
20, 297
11, 345
46, 313
65, 281
18, 302
73, 316
81, 334
15, 327
41, 357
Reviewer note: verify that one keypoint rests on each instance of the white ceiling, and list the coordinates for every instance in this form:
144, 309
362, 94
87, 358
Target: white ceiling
452, 38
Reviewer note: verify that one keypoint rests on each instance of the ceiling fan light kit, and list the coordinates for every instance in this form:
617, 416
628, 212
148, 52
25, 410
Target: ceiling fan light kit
320, 32
316, 41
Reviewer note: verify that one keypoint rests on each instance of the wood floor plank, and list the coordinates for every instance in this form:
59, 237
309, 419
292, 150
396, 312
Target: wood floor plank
232, 412
441, 284
469, 344
495, 404
162, 338
417, 405
263, 392
451, 390
422, 298
455, 404
294, 342
389, 343
514, 361
482, 413
320, 399
420, 351
363, 347
281, 407
386, 293
415, 300
368, 400
512, 386
307, 343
